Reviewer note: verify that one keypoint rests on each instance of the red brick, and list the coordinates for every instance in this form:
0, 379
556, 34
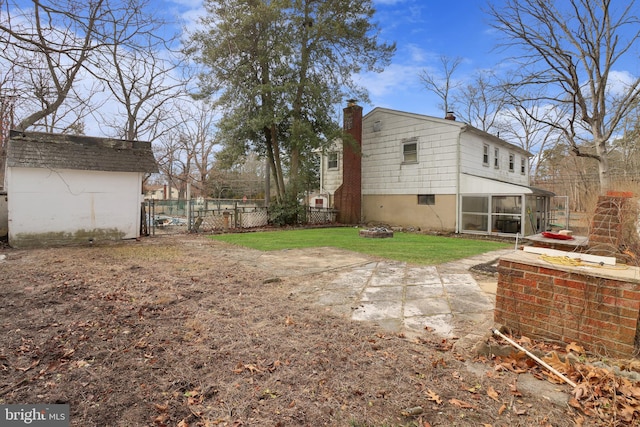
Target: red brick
631, 295
601, 325
569, 299
525, 267
573, 284
552, 272
529, 283
538, 278
627, 335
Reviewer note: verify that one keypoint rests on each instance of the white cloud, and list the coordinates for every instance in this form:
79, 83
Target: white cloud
395, 78
388, 2
620, 81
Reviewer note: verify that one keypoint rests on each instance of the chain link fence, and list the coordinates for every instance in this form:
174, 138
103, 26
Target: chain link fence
182, 216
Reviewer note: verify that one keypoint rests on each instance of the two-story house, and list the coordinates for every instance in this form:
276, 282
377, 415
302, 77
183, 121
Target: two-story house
431, 173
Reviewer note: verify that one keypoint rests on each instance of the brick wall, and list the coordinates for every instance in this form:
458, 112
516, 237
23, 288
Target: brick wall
348, 197
598, 308
606, 225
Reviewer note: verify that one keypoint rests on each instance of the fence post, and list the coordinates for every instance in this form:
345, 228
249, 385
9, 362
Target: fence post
152, 214
188, 207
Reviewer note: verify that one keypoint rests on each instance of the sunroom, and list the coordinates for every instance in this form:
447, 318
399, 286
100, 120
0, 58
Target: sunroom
495, 207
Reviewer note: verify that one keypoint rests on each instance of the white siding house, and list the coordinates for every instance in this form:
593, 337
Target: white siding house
64, 189
440, 174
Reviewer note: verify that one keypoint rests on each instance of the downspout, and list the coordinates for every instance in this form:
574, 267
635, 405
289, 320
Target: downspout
458, 172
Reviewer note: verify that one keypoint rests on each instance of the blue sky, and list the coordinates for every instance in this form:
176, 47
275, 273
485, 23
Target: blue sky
424, 30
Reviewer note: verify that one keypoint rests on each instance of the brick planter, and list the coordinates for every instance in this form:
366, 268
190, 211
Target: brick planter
595, 307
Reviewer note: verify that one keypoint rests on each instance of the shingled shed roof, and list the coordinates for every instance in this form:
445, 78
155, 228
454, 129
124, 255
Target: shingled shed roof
56, 151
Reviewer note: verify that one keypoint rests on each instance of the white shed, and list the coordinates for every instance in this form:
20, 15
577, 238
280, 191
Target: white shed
66, 189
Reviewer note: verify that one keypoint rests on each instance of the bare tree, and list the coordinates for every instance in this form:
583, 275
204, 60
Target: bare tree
141, 72
53, 46
442, 84
569, 50
525, 125
186, 152
55, 38
480, 101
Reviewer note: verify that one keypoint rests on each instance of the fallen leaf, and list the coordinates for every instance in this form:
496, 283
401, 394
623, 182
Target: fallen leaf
161, 408
160, 419
434, 397
519, 411
525, 340
33, 365
461, 404
627, 412
492, 393
476, 388
575, 348
553, 360
502, 409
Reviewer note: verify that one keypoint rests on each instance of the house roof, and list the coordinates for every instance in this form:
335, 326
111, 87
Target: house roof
57, 151
471, 184
464, 127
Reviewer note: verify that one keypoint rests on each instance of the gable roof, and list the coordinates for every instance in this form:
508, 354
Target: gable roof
463, 127
57, 151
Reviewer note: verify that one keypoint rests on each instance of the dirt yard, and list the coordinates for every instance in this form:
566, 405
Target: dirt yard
185, 331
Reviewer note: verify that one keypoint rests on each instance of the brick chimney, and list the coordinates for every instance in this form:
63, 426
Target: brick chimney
450, 116
348, 197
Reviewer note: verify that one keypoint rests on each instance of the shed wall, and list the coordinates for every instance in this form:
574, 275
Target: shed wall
52, 207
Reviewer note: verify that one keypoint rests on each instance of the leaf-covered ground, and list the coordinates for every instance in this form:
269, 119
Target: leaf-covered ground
183, 331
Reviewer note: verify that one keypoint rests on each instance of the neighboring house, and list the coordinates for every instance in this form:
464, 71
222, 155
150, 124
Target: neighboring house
65, 189
433, 174
160, 192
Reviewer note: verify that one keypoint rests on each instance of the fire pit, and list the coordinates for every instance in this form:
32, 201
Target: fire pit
376, 233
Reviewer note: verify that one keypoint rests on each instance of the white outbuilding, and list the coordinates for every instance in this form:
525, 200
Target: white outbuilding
68, 189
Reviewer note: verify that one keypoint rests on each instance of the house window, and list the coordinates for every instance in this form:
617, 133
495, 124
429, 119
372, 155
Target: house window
496, 158
332, 161
475, 213
426, 199
410, 151
485, 155
506, 214
512, 162
377, 126
523, 166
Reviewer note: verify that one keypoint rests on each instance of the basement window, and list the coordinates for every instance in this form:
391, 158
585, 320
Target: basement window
426, 199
